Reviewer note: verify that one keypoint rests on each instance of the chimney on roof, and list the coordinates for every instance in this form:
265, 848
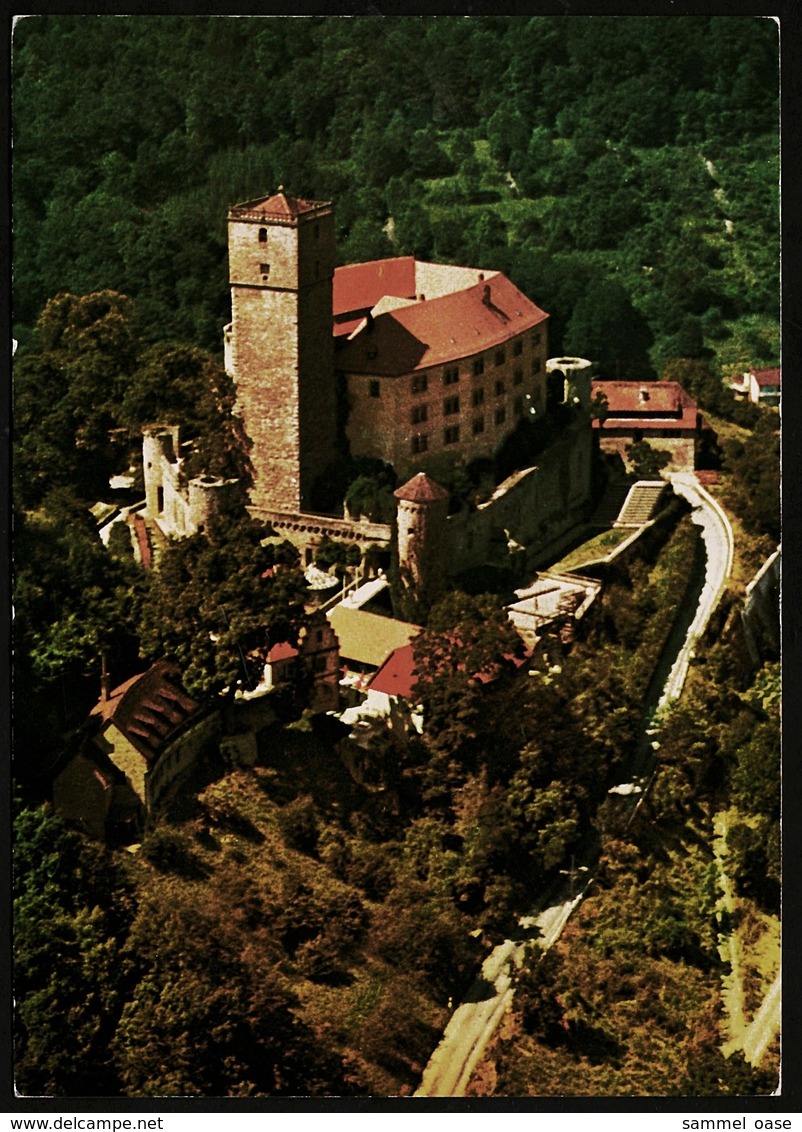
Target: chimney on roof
421, 298
481, 276
486, 294
105, 683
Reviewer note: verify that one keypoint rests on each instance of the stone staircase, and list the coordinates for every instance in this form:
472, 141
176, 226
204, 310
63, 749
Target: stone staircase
640, 503
611, 503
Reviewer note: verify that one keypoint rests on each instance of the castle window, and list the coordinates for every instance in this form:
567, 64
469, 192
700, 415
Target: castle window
160, 499
375, 389
420, 383
536, 365
419, 413
420, 443
536, 338
518, 348
317, 231
518, 376
478, 397
451, 434
501, 357
499, 388
478, 425
501, 415
478, 366
450, 406
451, 376
264, 268
518, 406
263, 235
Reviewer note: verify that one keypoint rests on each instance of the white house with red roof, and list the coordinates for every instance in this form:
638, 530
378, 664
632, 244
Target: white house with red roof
760, 386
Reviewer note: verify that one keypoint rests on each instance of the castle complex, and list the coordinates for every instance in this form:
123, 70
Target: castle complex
433, 360
416, 364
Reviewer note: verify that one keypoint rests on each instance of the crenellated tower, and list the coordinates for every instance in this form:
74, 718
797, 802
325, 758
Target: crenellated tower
279, 347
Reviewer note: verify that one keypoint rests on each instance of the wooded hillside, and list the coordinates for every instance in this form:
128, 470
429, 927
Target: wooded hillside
622, 171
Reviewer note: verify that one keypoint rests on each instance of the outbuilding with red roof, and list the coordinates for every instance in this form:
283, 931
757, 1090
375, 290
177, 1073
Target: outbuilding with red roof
660, 413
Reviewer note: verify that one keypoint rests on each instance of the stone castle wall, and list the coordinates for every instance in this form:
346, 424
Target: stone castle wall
535, 508
682, 450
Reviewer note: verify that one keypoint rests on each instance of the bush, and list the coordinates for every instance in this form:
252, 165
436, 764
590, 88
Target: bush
298, 824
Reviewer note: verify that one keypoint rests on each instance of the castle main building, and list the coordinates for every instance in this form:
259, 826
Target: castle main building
437, 362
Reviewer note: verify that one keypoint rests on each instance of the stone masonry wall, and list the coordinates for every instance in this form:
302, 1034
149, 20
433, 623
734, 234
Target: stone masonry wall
535, 508
265, 330
682, 449
407, 423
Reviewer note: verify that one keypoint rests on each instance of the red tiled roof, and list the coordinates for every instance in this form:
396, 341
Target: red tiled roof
396, 677
646, 404
276, 207
766, 377
359, 286
707, 476
281, 651
149, 708
440, 330
421, 489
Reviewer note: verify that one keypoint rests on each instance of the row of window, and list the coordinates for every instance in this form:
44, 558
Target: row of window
451, 434
420, 382
451, 405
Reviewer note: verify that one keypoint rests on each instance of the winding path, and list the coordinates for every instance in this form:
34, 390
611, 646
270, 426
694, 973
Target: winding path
474, 1022
765, 1025
717, 537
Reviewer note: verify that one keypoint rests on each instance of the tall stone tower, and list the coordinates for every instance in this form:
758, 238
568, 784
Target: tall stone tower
421, 523
280, 348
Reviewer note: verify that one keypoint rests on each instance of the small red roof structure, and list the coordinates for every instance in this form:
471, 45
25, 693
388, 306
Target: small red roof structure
397, 676
645, 405
281, 651
278, 207
421, 489
439, 330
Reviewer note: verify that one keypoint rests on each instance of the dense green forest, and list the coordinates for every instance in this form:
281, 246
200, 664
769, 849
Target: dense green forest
319, 909
623, 172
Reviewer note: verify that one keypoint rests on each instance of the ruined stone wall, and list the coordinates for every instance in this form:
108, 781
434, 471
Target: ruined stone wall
535, 508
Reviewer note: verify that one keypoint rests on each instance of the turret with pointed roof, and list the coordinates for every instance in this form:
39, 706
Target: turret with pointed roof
421, 523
